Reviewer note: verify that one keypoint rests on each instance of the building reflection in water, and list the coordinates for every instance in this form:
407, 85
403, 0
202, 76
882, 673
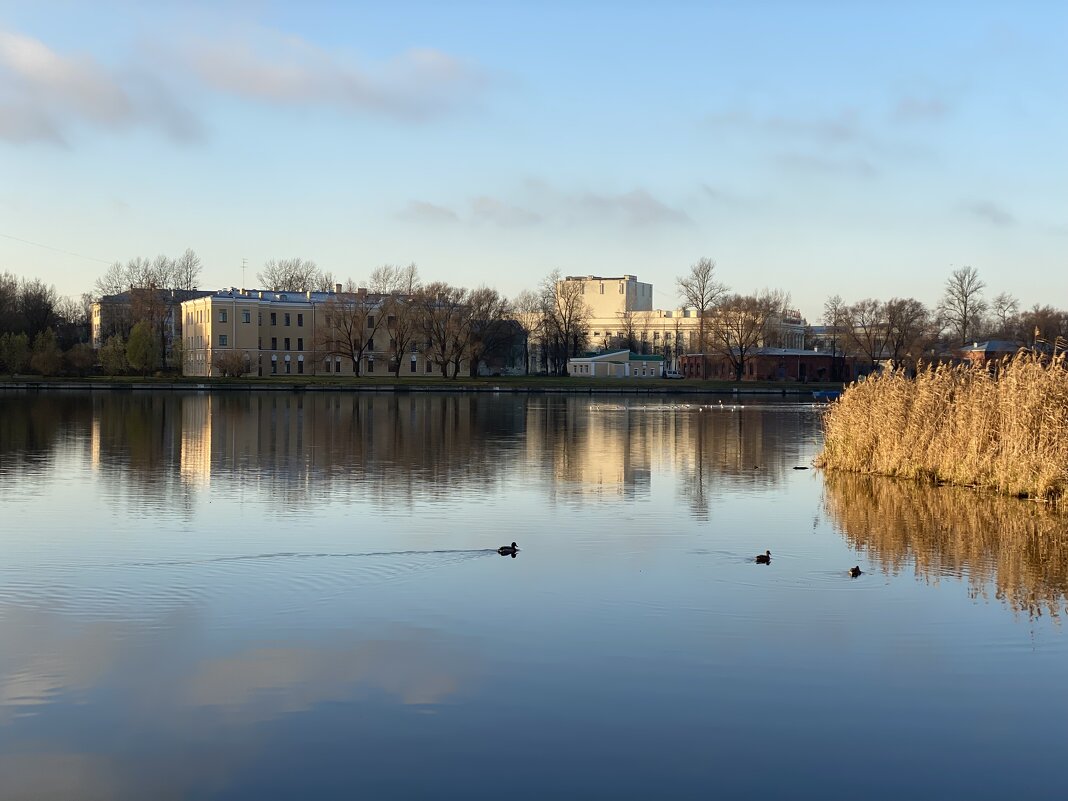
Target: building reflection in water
1014, 548
392, 449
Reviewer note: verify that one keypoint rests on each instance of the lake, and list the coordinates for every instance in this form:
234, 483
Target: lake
260, 595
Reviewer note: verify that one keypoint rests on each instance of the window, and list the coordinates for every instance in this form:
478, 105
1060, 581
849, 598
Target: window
286, 340
602, 289
300, 343
287, 367
274, 343
370, 321
259, 343
337, 364
370, 365
274, 366
274, 318
222, 340
300, 320
429, 366
246, 316
287, 318
222, 315
620, 287
300, 367
371, 344
391, 320
259, 318
413, 364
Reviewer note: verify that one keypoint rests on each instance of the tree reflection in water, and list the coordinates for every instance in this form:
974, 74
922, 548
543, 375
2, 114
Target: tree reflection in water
1018, 548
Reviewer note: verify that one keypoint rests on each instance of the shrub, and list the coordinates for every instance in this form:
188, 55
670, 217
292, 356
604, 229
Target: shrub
46, 359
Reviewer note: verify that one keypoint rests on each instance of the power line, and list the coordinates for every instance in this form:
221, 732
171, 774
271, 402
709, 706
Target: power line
57, 250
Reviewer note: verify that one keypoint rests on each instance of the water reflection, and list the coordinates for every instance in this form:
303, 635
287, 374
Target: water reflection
1018, 549
394, 449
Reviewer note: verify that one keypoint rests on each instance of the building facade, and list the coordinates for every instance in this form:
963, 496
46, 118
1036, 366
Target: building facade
622, 316
113, 315
264, 333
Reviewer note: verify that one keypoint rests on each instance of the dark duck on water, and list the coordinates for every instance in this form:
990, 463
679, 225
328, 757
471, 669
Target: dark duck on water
508, 550
764, 558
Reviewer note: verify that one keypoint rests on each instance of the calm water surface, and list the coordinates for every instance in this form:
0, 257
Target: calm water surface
282, 595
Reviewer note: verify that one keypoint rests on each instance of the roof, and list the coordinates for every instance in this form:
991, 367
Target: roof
618, 356
993, 346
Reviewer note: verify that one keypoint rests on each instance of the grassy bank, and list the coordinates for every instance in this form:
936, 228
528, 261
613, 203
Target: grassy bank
959, 425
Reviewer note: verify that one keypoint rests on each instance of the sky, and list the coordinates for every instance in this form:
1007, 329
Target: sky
859, 149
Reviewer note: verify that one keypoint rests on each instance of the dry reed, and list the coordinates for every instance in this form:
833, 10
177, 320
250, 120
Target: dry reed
1004, 430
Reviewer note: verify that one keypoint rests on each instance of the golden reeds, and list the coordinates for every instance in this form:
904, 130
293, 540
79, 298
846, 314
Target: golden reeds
1004, 430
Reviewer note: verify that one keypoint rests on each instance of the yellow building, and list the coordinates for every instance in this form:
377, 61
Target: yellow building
622, 316
277, 333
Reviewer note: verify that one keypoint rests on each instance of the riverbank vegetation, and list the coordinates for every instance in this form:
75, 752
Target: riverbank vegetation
1003, 429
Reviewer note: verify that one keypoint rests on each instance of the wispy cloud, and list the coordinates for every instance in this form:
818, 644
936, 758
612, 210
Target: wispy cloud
422, 211
44, 94
912, 108
492, 210
828, 166
537, 202
989, 212
287, 70
842, 127
634, 208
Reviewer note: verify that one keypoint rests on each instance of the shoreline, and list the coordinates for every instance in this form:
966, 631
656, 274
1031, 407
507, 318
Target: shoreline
523, 386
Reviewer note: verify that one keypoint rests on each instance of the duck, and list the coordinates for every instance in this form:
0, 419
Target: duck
855, 571
508, 550
764, 558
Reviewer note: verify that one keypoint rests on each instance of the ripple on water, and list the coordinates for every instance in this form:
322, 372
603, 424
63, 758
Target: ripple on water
147, 589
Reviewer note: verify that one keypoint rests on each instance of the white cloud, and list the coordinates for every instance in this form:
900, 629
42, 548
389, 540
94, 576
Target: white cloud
44, 94
492, 210
423, 211
286, 70
989, 212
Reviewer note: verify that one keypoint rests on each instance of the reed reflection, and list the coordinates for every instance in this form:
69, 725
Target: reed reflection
1018, 549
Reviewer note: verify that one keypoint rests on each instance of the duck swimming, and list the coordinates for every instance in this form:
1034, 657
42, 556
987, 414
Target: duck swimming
764, 558
855, 571
508, 550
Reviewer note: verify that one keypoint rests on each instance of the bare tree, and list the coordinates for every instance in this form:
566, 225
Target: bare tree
289, 275
490, 329
187, 270
326, 282
441, 319
741, 325
866, 328
907, 331
113, 281
392, 278
162, 272
701, 291
350, 322
566, 317
526, 310
962, 305
1004, 307
834, 317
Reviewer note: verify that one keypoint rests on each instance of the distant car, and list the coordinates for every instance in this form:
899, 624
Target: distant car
672, 374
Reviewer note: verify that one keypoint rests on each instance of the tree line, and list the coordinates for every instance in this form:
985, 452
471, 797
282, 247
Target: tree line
905, 332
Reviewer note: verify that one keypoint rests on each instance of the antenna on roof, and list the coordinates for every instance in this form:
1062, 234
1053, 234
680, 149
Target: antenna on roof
244, 263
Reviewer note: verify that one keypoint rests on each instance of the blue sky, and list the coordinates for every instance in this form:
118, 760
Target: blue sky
864, 149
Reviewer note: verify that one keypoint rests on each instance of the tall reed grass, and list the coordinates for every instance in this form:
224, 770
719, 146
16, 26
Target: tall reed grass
1004, 429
